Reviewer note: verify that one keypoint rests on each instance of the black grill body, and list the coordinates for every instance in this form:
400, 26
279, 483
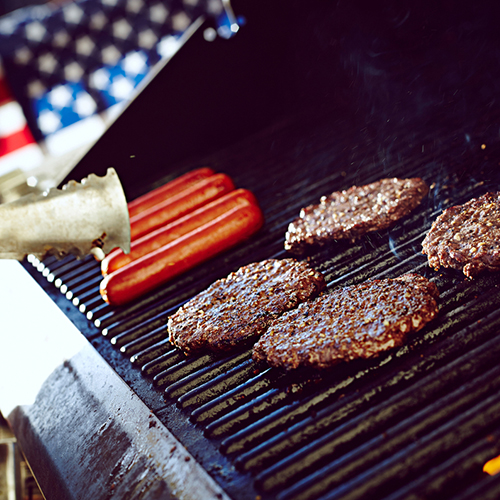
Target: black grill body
357, 92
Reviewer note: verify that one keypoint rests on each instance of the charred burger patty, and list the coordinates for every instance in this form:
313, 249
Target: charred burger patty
355, 322
239, 308
354, 212
466, 237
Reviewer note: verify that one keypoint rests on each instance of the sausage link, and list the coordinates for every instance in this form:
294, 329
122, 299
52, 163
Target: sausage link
168, 190
181, 204
182, 254
160, 237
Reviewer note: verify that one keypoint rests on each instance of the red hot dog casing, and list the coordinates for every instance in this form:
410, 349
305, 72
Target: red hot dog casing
168, 190
181, 255
181, 204
173, 230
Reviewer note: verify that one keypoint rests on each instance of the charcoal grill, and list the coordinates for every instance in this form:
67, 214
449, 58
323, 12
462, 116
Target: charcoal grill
360, 92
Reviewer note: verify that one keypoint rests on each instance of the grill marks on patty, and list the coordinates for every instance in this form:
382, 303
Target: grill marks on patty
355, 322
466, 237
351, 213
237, 309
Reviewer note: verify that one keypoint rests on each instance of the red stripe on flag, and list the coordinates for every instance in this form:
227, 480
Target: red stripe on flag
5, 95
15, 141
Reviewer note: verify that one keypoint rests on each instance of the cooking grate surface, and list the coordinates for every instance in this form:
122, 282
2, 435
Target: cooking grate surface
419, 420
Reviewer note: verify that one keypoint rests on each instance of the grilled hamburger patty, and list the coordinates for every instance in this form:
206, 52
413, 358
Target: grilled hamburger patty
352, 213
355, 322
466, 237
236, 309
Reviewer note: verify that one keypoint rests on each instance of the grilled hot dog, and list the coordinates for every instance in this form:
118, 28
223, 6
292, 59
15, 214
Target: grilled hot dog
182, 254
180, 204
168, 233
168, 190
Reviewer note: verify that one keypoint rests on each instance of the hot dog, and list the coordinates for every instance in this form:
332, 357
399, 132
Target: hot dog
168, 190
181, 204
182, 254
164, 235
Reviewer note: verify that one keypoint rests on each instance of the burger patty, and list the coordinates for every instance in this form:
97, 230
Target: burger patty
355, 322
352, 213
239, 308
466, 237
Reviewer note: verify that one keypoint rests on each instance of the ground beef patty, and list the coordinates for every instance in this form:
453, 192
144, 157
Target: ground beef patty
239, 308
355, 322
466, 237
352, 213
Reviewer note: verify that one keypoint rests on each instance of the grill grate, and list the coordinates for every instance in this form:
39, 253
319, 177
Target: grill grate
417, 422
422, 418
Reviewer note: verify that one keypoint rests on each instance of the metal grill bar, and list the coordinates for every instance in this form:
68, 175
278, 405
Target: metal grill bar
384, 428
435, 446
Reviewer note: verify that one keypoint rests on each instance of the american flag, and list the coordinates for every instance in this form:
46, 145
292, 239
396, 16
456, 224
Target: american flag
17, 145
67, 66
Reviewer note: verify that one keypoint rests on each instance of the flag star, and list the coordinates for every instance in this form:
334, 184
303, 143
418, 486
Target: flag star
110, 55
73, 13
135, 63
168, 46
47, 63
60, 96
134, 6
84, 104
61, 39
181, 21
122, 29
23, 55
84, 45
48, 121
121, 88
158, 13
147, 39
98, 21
35, 89
73, 72
100, 79
214, 7
8, 24
35, 31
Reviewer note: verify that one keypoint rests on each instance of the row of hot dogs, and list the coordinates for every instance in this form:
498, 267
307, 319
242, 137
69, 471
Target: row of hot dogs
176, 227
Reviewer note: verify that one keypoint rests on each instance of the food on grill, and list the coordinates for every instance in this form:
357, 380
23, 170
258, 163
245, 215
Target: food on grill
235, 310
359, 321
168, 190
466, 237
180, 204
170, 232
182, 254
352, 213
